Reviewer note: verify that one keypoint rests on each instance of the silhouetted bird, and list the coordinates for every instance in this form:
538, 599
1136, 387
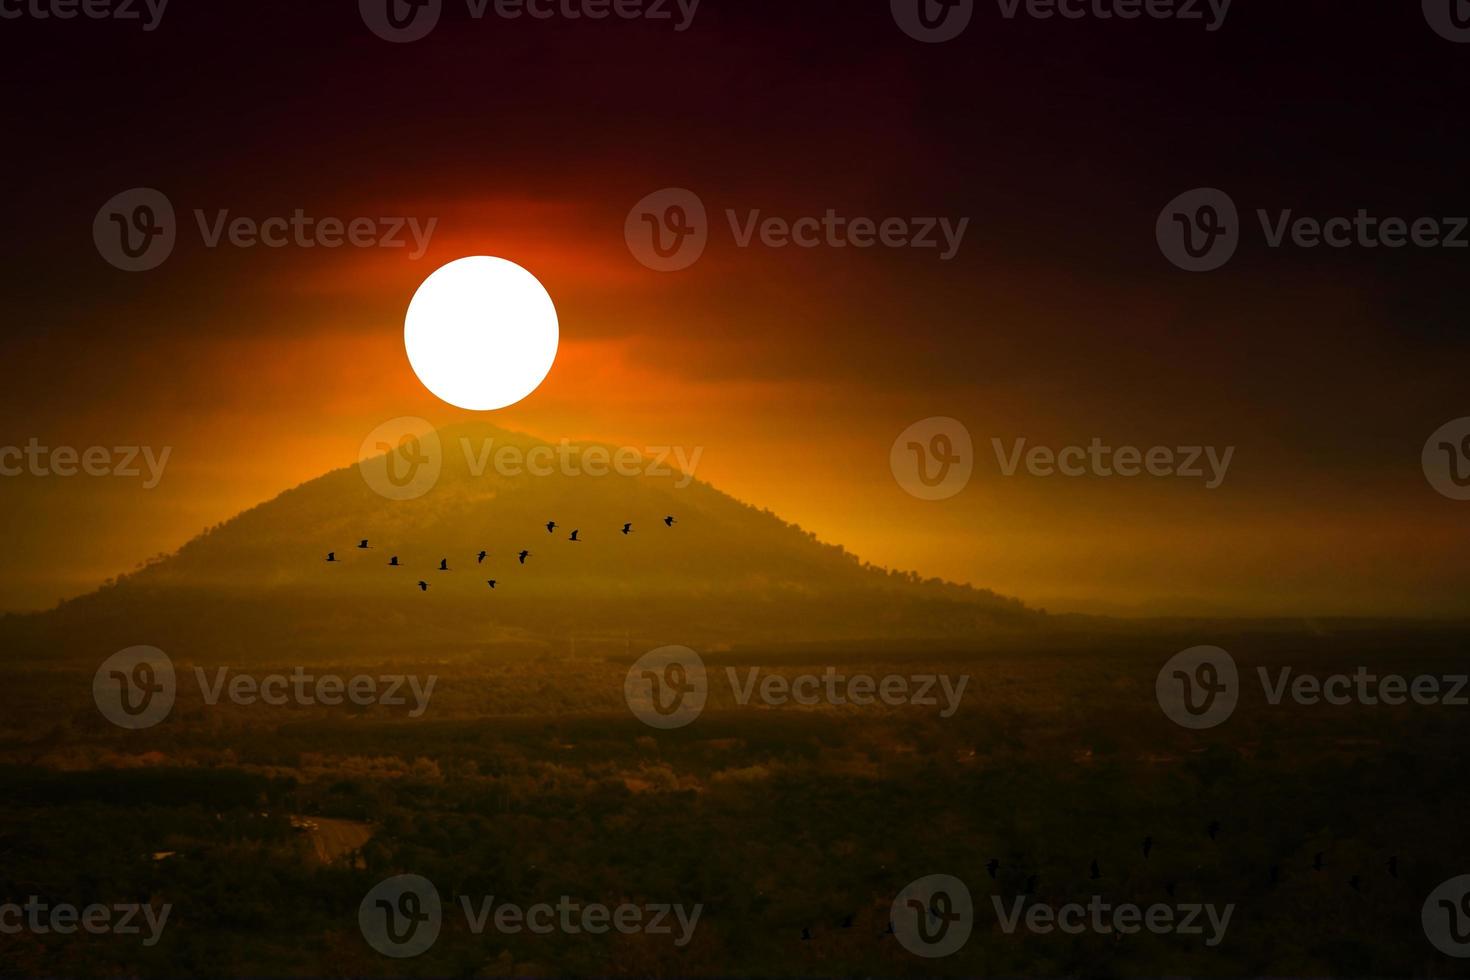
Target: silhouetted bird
480, 558
331, 556
1356, 882
669, 521
423, 586
1214, 829
362, 545
1393, 866
1170, 886
491, 583
443, 564
574, 536
550, 527
1096, 872
847, 921
1317, 861
628, 528
1148, 845
992, 866
523, 556
806, 934
393, 561
1031, 884
1275, 874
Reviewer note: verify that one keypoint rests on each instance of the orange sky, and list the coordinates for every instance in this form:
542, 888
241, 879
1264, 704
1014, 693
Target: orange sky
787, 412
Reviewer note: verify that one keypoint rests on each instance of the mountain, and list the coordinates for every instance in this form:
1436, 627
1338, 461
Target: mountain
258, 587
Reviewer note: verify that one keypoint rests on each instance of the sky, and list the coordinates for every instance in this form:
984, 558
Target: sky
1057, 320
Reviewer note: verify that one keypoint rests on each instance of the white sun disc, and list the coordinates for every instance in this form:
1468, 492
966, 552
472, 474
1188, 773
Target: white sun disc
481, 333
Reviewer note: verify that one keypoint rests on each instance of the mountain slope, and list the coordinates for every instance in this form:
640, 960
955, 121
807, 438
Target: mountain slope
724, 573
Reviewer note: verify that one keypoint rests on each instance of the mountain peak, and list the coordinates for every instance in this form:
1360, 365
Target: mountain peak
722, 572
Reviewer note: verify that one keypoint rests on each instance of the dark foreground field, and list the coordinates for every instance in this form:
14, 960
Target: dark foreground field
528, 779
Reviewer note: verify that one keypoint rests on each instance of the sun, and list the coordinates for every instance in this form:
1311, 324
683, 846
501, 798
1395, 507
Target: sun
481, 333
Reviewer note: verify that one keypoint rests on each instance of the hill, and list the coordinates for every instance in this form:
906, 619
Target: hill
258, 586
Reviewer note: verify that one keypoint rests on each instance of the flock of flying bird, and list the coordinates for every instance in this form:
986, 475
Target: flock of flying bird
551, 526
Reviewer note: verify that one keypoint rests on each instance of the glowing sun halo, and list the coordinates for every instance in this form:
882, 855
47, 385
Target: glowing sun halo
481, 333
